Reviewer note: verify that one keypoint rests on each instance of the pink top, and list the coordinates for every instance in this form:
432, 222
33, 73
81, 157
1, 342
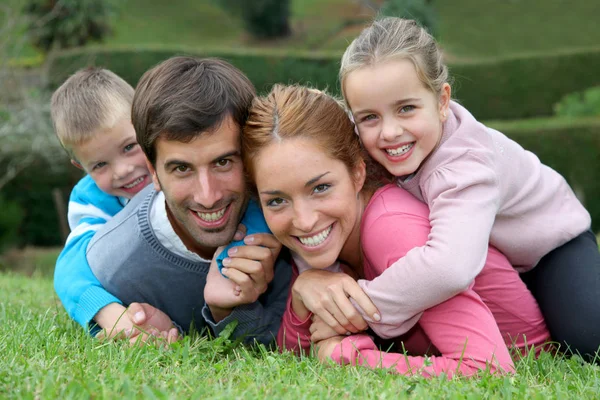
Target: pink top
481, 187
469, 332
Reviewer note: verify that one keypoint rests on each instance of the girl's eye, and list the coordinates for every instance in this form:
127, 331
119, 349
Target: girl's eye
321, 188
129, 147
368, 117
406, 109
275, 202
99, 165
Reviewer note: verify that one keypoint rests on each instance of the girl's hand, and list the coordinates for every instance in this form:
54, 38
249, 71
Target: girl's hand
326, 294
320, 330
326, 347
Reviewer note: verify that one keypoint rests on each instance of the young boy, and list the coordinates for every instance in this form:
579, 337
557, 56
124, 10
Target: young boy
91, 113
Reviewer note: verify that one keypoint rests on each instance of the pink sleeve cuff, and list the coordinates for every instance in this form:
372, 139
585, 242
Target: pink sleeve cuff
347, 352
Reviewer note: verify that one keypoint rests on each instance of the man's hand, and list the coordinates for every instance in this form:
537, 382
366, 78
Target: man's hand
251, 266
326, 294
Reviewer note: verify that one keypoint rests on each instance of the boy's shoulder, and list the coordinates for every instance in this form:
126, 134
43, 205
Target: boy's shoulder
87, 193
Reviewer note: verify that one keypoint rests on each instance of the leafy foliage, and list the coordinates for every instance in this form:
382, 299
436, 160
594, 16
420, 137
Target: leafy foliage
10, 220
580, 104
68, 23
419, 10
263, 19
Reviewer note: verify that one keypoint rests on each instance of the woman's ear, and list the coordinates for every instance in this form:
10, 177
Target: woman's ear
445, 96
360, 174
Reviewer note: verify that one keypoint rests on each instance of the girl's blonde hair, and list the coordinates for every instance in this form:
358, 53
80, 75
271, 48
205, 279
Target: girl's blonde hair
395, 38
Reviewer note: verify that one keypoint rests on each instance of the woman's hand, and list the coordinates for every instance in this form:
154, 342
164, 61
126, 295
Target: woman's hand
326, 294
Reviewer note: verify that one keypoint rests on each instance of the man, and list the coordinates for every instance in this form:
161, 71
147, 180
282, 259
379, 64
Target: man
188, 115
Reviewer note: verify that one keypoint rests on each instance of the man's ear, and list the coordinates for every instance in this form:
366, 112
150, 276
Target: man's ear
76, 164
154, 175
360, 174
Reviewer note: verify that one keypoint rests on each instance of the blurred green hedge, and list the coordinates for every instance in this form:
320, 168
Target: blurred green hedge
510, 88
570, 146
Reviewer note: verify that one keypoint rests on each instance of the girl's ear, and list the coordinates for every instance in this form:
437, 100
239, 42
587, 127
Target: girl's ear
445, 96
360, 174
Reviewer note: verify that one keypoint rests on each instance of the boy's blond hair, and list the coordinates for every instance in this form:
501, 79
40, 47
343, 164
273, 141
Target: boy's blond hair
92, 99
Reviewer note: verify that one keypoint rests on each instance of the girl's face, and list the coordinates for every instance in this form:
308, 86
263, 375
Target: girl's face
310, 200
398, 118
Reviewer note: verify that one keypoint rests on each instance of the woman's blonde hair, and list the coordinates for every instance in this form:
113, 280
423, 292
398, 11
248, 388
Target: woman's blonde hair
396, 38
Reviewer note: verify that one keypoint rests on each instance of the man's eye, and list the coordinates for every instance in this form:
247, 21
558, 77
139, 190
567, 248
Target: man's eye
223, 162
182, 168
321, 188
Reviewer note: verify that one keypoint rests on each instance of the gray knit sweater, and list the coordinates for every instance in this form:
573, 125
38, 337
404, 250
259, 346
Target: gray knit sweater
132, 264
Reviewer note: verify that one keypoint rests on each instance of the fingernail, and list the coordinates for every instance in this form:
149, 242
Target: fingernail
238, 288
226, 261
238, 234
138, 317
224, 271
232, 251
249, 239
348, 333
376, 317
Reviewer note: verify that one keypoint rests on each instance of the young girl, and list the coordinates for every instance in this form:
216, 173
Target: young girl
300, 149
481, 188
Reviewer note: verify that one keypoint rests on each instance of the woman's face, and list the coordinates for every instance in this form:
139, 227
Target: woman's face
309, 199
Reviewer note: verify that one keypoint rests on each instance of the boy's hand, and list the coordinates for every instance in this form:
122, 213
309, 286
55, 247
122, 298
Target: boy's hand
326, 294
251, 266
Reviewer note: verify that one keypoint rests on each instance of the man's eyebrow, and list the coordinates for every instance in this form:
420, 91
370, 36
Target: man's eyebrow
175, 163
228, 154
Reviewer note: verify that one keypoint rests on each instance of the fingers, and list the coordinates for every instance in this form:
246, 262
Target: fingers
240, 232
320, 330
330, 316
265, 240
354, 291
136, 313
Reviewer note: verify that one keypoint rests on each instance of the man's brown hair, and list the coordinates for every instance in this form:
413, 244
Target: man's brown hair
183, 97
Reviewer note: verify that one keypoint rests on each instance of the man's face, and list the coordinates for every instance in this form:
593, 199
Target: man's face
204, 186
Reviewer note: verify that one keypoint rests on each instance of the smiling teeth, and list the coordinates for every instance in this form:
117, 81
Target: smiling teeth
210, 217
400, 150
136, 182
316, 239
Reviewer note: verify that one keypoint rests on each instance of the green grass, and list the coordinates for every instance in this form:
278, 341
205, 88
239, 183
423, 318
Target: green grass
45, 355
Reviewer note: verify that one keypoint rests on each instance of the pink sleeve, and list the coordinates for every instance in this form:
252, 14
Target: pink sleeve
294, 334
462, 329
420, 267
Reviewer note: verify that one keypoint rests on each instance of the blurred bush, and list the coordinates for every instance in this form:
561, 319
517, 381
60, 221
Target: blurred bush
419, 10
10, 222
580, 104
68, 23
510, 88
263, 19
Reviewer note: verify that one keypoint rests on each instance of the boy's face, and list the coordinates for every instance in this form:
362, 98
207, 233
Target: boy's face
204, 186
114, 160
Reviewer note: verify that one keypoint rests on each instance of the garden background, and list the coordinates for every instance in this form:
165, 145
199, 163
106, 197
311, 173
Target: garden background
528, 68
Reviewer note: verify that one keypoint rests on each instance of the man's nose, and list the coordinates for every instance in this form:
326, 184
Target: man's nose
208, 190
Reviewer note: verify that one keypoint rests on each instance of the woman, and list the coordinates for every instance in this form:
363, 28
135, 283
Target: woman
301, 152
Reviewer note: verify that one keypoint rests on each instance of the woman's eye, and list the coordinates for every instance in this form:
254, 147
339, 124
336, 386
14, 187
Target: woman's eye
275, 202
321, 188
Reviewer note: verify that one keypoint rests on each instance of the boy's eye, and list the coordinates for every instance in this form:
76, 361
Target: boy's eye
98, 165
321, 188
275, 202
129, 147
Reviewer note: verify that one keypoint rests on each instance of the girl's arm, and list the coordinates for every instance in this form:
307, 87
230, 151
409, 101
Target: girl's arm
440, 254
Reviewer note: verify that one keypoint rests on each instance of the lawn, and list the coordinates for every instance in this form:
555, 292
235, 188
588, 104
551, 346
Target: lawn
45, 355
